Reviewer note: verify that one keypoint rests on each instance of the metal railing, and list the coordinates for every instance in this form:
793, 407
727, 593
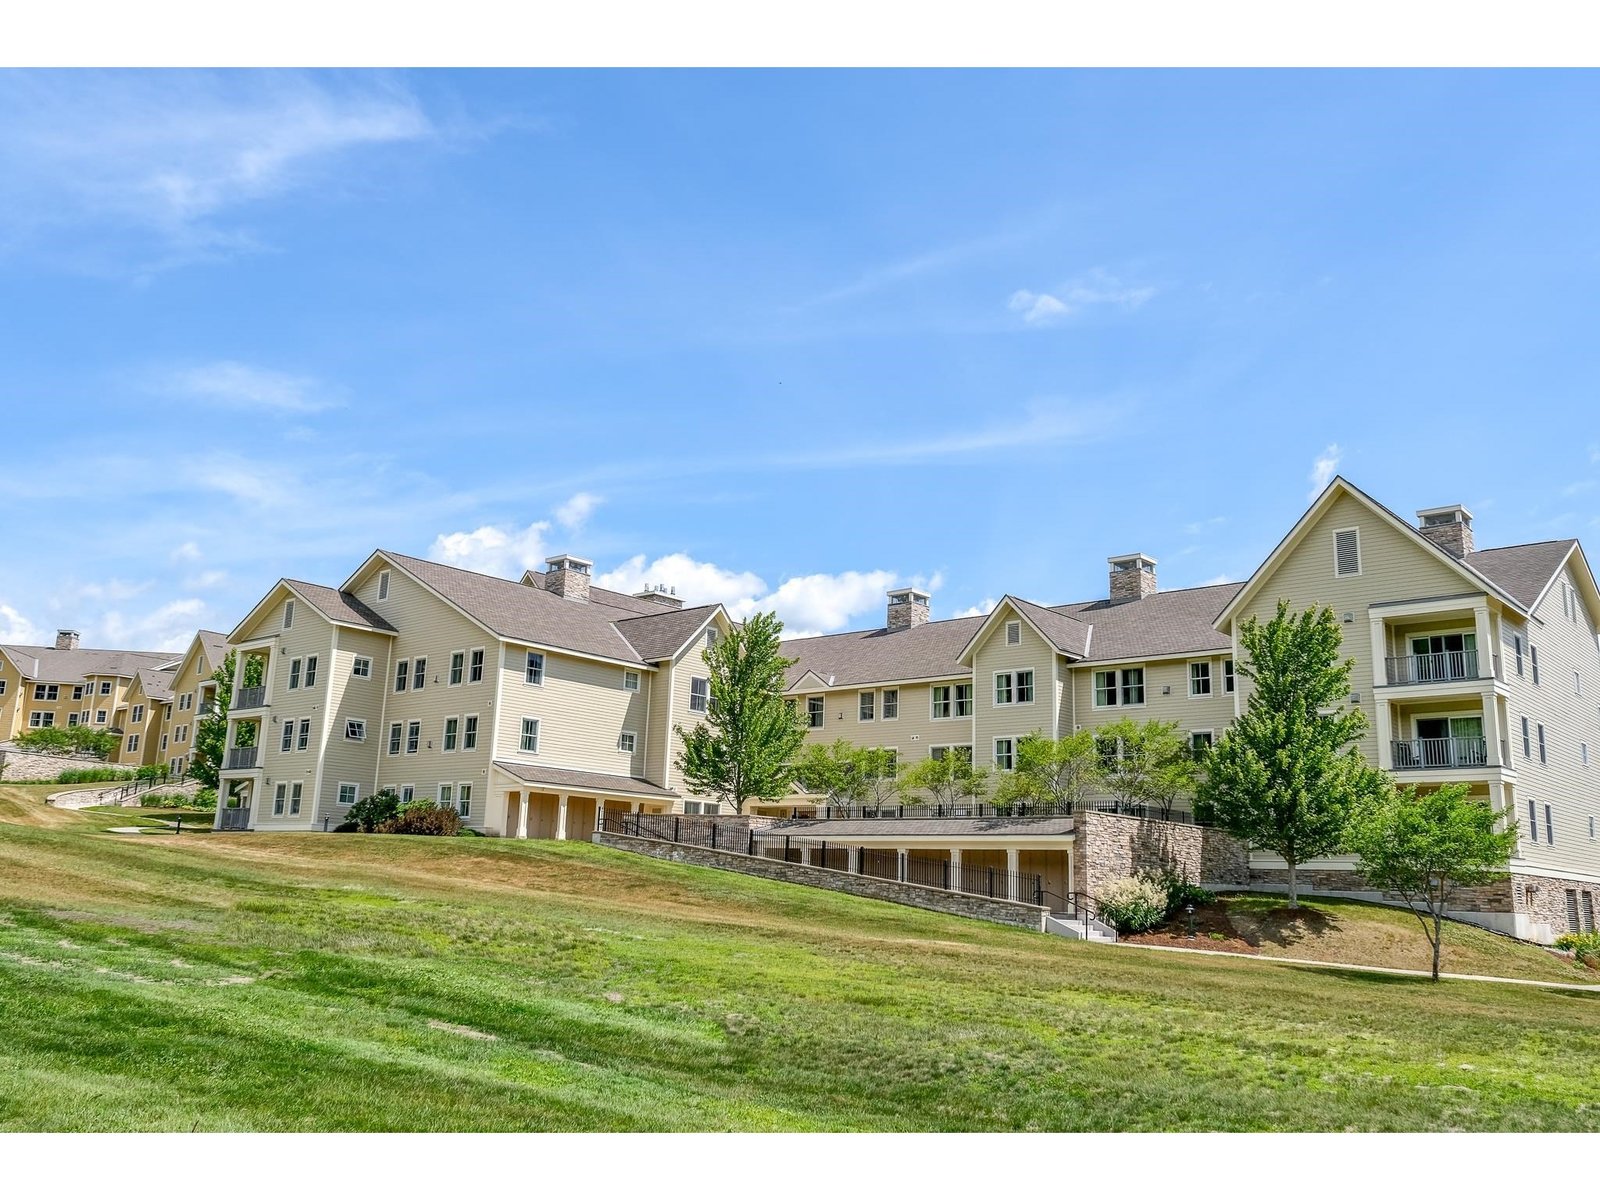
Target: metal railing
251, 697
207, 707
242, 758
1445, 667
148, 783
988, 810
233, 818
1427, 753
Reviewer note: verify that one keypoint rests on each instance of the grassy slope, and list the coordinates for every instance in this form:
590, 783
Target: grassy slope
315, 982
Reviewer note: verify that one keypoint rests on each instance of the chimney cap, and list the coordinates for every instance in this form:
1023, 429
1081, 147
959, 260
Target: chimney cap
1130, 562
1445, 514
568, 562
908, 595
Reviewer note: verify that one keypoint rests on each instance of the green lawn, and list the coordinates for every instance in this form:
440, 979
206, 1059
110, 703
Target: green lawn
313, 982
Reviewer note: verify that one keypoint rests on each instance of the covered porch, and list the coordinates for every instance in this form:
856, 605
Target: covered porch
529, 801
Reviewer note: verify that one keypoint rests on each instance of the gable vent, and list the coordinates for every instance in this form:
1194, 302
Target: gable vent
1013, 633
1347, 552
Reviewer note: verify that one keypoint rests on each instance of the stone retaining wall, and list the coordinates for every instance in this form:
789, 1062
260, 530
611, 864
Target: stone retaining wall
1544, 901
1002, 912
27, 766
1110, 846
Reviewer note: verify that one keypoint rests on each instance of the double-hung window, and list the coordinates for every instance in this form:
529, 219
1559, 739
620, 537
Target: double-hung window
288, 737
133, 742
866, 702
1004, 692
138, 713
402, 673
447, 795
1227, 676
1533, 662
105, 688
311, 671
46, 691
452, 726
395, 732
530, 735
1527, 741
304, 741
469, 733
294, 673
699, 695
347, 793
814, 712
296, 790
533, 668
475, 667
941, 701
100, 716
630, 681
413, 737
963, 699
1542, 757
361, 668
1004, 754
419, 674
1024, 687
891, 704
1114, 688
1199, 679
278, 796
464, 799
626, 742
1200, 741
458, 666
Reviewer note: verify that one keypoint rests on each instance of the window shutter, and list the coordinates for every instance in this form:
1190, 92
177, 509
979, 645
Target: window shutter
1346, 552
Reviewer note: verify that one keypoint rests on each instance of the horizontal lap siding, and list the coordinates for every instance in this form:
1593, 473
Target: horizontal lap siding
311, 634
910, 735
688, 666
1213, 712
582, 709
1032, 653
351, 698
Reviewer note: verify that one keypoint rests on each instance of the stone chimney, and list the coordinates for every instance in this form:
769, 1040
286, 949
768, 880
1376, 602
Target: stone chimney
908, 608
66, 639
1449, 528
658, 594
1133, 576
567, 577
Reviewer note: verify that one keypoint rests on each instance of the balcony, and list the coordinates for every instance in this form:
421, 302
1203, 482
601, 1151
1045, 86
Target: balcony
1422, 754
250, 697
1446, 667
207, 707
243, 758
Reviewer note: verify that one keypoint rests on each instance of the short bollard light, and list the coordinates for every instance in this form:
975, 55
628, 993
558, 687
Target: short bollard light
179, 828
1189, 908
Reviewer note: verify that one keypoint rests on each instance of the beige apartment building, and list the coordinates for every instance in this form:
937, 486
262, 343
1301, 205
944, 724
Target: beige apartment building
66, 684
190, 696
529, 706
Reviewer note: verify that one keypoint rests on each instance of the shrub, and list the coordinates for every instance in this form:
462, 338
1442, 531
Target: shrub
347, 827
375, 810
424, 817
465, 832
71, 739
151, 771
1179, 891
1133, 905
1584, 946
95, 775
205, 798
164, 800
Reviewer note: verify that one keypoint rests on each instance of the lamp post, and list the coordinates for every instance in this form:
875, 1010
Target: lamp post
1189, 909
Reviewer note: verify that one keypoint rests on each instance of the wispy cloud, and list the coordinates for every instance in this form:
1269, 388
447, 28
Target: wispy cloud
1580, 487
493, 549
1215, 579
14, 627
1194, 528
1093, 289
927, 262
167, 627
1324, 469
187, 552
236, 385
577, 510
981, 609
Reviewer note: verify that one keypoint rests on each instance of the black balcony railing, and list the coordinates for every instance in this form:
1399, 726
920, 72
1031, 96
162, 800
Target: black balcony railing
1426, 753
243, 758
251, 697
234, 818
1445, 667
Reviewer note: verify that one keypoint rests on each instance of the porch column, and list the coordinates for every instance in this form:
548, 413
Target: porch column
1385, 731
1491, 728
1497, 797
1380, 705
900, 865
1013, 858
561, 817
955, 869
1380, 652
522, 814
853, 860
1486, 646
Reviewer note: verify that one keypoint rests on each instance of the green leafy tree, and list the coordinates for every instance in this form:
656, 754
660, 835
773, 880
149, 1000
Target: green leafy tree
1053, 772
1146, 763
70, 739
211, 731
949, 779
849, 776
1287, 777
745, 750
1426, 846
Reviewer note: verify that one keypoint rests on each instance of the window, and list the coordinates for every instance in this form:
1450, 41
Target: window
814, 712
1542, 757
533, 670
1516, 645
394, 738
1527, 743
1533, 821
305, 734
76, 694
866, 702
1200, 741
469, 733
1199, 679
278, 794
458, 667
1549, 826
163, 742
355, 731
295, 790
1013, 633
963, 699
452, 727
630, 681
186, 702
941, 701
100, 715
413, 736
408, 793
41, 720
72, 718
1125, 687
347, 793
1533, 663
402, 672
77, 691
1004, 754
105, 688
1024, 687
709, 807
699, 694
530, 735
1346, 552
419, 674
891, 704
1583, 753
712, 635
1003, 688
138, 713
383, 585
464, 800
475, 667
294, 674
288, 737
311, 671
626, 742
288, 614
361, 668
938, 752
46, 691
447, 796
133, 742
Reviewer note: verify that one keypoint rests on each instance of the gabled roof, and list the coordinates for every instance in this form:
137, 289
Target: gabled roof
597, 595
660, 635
1163, 623
46, 664
1524, 571
340, 607
1066, 633
930, 651
156, 685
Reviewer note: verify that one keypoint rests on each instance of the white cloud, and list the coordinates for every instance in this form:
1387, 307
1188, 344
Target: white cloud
243, 479
188, 552
493, 549
824, 601
1215, 579
113, 591
1198, 527
236, 385
205, 580
168, 627
695, 582
1093, 289
1324, 469
577, 510
1577, 489
981, 609
14, 627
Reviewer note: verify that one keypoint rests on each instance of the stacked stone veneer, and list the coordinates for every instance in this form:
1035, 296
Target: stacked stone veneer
1002, 912
24, 766
1544, 900
718, 832
1110, 846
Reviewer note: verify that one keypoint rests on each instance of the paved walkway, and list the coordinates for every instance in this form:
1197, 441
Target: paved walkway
1340, 966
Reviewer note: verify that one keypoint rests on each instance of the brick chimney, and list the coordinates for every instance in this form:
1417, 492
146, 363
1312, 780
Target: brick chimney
66, 639
567, 577
908, 608
1449, 528
658, 594
1133, 576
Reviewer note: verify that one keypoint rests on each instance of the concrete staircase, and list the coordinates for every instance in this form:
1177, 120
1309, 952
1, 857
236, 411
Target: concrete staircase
1073, 927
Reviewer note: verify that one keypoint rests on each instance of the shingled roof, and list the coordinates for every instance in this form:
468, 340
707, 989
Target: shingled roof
341, 607
156, 685
660, 635
562, 779
46, 664
931, 651
1164, 623
1522, 571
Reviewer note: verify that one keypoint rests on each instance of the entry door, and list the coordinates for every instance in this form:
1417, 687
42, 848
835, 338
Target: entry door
1443, 655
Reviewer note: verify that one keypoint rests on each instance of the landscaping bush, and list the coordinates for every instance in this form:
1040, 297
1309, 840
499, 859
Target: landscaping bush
205, 798
152, 771
95, 775
1179, 891
375, 810
1584, 946
347, 827
164, 800
465, 832
1133, 905
424, 817
71, 739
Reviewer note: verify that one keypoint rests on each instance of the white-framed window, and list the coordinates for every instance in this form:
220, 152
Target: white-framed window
1013, 633
1527, 741
814, 712
1542, 755
347, 793
1227, 676
419, 674
311, 671
1119, 688
72, 719
1533, 662
1003, 688
452, 734
1346, 552
469, 732
941, 701
630, 681
530, 735
395, 734
475, 666
78, 695
1549, 826
383, 585
458, 667
105, 688
133, 742
699, 694
288, 614
47, 691
294, 674
408, 793
1516, 647
402, 674
279, 794
963, 699
138, 713
77, 691
891, 704
100, 716
866, 705
533, 669
1577, 683
355, 730
287, 744
361, 667
1199, 679
1024, 687
186, 702
463, 799
41, 720
713, 634
304, 740
626, 742
708, 807
1200, 740
413, 737
163, 743
447, 796
1005, 758
938, 752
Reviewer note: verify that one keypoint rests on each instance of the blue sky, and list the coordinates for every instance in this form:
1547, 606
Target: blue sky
778, 339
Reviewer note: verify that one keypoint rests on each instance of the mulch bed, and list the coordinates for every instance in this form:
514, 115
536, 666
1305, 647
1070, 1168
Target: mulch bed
1213, 931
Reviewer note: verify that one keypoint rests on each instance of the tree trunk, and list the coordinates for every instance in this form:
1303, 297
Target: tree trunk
1294, 889
1437, 939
